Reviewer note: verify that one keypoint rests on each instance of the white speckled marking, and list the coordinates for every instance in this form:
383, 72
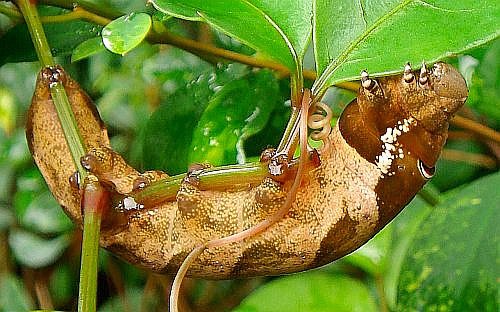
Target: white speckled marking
391, 149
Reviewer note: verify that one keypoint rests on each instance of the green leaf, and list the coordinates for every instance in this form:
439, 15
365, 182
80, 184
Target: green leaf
88, 48
173, 69
311, 291
7, 111
44, 215
279, 29
63, 282
372, 256
484, 95
168, 133
179, 9
7, 179
34, 252
451, 173
404, 228
175, 135
381, 36
238, 110
126, 32
452, 264
13, 296
135, 301
293, 17
6, 218
63, 38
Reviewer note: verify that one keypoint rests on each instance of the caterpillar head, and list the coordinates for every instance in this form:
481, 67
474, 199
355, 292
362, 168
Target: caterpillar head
400, 124
412, 110
435, 96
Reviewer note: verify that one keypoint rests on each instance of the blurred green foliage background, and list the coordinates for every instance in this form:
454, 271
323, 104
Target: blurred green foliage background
157, 101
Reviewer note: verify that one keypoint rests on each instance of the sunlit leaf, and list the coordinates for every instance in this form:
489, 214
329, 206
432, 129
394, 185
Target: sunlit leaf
169, 131
7, 111
226, 106
126, 32
238, 110
279, 29
452, 264
312, 292
381, 36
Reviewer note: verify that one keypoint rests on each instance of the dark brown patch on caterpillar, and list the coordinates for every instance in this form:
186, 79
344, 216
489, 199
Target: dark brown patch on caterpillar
331, 246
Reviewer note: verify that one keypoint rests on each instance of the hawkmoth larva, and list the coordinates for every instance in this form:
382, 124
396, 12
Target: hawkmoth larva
378, 156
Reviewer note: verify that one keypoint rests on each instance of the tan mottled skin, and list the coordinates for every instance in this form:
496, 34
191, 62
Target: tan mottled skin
340, 205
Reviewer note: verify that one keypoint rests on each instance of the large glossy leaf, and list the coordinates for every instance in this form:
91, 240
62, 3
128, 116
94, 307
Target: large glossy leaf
238, 110
279, 29
168, 133
312, 292
404, 228
293, 17
381, 36
452, 264
226, 106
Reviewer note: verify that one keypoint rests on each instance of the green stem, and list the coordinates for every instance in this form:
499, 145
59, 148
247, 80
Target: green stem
76, 14
92, 211
223, 178
92, 6
290, 137
235, 176
289, 140
88, 267
61, 102
69, 126
95, 200
379, 282
35, 28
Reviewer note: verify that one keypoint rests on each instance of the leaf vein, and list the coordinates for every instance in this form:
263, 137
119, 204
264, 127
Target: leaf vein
363, 12
432, 6
318, 87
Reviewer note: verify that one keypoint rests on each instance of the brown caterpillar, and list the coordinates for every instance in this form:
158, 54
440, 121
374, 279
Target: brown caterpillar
374, 161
